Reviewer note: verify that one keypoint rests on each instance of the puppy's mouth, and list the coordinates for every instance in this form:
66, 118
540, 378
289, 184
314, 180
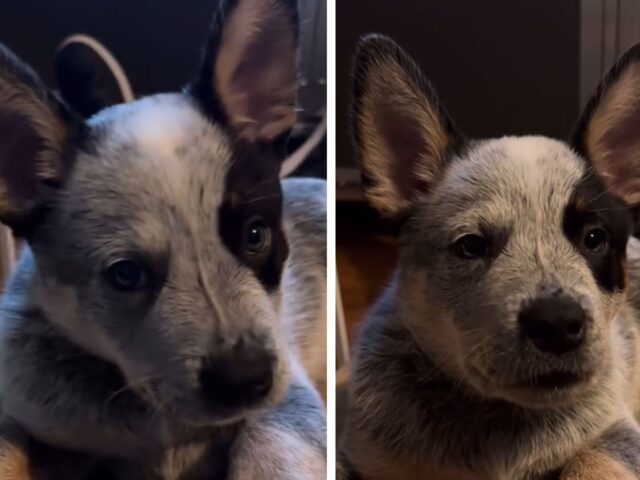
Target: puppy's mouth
192, 410
196, 407
550, 389
553, 380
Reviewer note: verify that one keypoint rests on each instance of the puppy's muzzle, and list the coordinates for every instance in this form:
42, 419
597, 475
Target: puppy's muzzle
554, 324
238, 378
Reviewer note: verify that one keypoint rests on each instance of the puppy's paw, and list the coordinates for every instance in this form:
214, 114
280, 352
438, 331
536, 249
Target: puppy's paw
270, 453
14, 462
615, 455
596, 465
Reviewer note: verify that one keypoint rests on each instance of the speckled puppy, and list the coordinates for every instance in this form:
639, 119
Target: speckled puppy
158, 324
506, 346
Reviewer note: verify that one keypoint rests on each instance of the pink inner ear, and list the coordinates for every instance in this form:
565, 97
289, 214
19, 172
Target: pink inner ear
406, 141
20, 146
263, 81
619, 164
255, 72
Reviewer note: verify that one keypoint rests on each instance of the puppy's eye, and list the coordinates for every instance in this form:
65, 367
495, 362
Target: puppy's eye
471, 246
256, 236
595, 240
127, 276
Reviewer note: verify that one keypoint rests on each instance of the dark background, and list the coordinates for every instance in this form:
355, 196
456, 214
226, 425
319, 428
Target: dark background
500, 66
157, 42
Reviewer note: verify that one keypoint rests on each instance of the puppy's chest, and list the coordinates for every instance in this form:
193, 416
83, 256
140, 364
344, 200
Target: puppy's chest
373, 462
190, 462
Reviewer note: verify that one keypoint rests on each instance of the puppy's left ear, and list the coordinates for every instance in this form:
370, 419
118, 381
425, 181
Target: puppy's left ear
248, 78
608, 133
37, 136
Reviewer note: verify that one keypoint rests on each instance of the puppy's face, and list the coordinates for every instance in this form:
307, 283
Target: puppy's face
512, 261
166, 243
156, 226
513, 269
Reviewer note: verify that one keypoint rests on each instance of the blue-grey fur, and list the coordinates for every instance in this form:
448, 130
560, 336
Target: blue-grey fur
305, 219
84, 414
111, 379
442, 375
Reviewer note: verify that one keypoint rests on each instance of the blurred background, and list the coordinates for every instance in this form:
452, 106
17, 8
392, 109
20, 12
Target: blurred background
158, 43
501, 67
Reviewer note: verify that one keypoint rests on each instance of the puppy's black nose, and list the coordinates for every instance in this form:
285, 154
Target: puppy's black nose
238, 378
554, 324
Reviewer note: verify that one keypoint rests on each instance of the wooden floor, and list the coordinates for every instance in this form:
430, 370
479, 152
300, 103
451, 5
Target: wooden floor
365, 263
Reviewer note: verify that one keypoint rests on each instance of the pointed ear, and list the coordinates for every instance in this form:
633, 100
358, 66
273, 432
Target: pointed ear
35, 133
403, 136
608, 132
248, 76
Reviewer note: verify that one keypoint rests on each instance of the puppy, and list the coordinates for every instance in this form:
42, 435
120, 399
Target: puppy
164, 312
506, 345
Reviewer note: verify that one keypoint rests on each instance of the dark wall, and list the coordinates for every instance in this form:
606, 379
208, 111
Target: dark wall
500, 66
157, 41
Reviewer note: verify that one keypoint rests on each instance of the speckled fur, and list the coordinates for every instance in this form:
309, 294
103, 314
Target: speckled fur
434, 391
99, 382
305, 220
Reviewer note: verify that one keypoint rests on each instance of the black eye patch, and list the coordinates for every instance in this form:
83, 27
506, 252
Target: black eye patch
250, 220
598, 225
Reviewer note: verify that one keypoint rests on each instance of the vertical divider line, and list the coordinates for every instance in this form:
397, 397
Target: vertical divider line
331, 239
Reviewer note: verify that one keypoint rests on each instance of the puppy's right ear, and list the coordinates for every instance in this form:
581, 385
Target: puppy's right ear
608, 132
403, 136
35, 133
248, 75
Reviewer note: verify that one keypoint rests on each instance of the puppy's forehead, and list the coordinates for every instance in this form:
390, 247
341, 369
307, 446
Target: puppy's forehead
158, 146
157, 125
513, 173
148, 166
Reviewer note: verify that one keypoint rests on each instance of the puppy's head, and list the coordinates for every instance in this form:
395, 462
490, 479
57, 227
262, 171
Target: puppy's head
156, 225
512, 261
